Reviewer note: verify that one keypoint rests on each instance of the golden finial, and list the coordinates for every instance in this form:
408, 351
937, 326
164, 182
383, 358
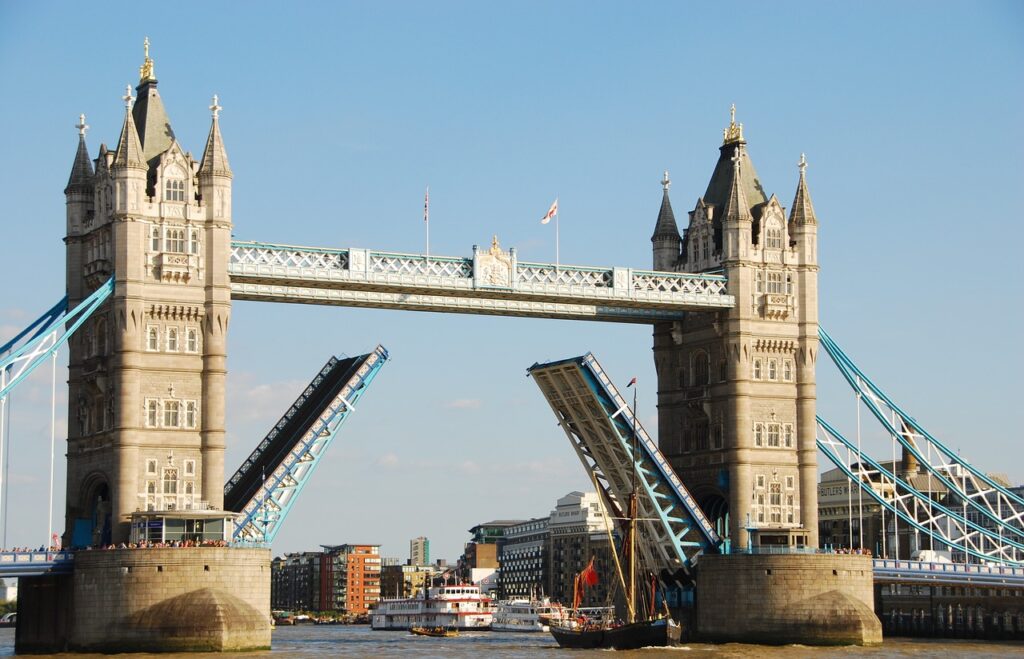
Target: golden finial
734, 133
146, 70
665, 182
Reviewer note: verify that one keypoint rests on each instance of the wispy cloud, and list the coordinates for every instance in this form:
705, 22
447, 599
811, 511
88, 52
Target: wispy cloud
464, 404
389, 460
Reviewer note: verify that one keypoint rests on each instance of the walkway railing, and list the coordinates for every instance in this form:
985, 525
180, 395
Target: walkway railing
35, 563
490, 282
920, 571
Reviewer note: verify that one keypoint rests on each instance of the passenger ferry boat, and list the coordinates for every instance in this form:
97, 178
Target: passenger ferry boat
461, 607
523, 615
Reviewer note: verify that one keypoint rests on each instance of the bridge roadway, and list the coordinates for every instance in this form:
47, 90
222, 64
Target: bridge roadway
490, 282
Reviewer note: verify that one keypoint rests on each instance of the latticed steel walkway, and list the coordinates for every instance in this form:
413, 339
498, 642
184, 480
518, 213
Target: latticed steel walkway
490, 282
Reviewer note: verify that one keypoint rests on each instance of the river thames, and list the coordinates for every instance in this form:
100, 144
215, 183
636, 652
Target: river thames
360, 641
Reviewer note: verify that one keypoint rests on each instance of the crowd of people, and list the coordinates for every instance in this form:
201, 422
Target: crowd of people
148, 544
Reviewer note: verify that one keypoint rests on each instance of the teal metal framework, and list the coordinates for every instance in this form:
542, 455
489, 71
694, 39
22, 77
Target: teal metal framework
264, 513
612, 445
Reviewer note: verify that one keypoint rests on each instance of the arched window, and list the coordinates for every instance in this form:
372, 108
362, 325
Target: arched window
175, 241
773, 369
757, 369
787, 435
150, 487
170, 481
700, 369
787, 370
758, 434
171, 413
192, 340
190, 414
174, 189
152, 338
172, 339
773, 435
152, 418
193, 242
154, 238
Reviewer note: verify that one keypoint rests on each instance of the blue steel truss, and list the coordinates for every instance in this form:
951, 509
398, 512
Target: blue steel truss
978, 493
601, 426
946, 526
48, 337
268, 507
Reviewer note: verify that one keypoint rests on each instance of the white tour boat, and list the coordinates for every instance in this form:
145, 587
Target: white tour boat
461, 607
523, 615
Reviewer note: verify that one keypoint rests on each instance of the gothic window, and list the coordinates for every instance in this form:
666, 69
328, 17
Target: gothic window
775, 283
757, 369
152, 415
716, 436
760, 508
701, 432
759, 281
151, 467
722, 370
172, 339
175, 240
174, 190
787, 370
154, 238
775, 494
789, 483
189, 488
773, 369
191, 340
170, 481
758, 434
190, 416
789, 284
774, 237
171, 409
787, 435
773, 435
152, 338
193, 242
760, 481
789, 508
700, 368
704, 247
190, 467
695, 252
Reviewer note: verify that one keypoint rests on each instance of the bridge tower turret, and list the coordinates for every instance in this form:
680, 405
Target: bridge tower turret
736, 388
666, 235
146, 380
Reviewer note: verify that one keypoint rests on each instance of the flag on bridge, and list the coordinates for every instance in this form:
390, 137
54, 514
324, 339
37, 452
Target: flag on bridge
426, 205
631, 383
552, 212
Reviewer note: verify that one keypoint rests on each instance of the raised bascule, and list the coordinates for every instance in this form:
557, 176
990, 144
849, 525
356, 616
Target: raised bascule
728, 494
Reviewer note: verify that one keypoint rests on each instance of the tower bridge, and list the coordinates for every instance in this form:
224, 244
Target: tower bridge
732, 299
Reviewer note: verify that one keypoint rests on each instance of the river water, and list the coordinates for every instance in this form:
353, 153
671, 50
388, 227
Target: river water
360, 641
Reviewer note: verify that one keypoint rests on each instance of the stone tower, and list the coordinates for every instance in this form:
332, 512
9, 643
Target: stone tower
147, 371
736, 388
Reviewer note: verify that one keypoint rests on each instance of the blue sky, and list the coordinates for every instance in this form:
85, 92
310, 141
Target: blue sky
336, 115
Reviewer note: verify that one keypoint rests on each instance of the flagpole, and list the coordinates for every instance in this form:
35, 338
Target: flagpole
426, 218
557, 209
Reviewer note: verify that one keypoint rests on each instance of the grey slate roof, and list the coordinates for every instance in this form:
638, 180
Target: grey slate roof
154, 127
129, 150
666, 225
720, 185
803, 209
215, 158
81, 171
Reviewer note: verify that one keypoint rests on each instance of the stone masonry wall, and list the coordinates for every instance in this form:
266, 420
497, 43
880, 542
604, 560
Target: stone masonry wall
812, 599
173, 599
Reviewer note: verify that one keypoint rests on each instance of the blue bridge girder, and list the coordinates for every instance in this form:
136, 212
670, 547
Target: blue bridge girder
601, 427
942, 574
35, 563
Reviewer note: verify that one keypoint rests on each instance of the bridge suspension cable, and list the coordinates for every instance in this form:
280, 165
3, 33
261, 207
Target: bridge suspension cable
974, 492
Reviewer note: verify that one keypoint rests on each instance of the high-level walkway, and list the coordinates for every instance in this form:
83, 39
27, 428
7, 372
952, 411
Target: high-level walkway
490, 282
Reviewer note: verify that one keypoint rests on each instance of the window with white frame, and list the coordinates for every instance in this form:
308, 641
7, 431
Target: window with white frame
787, 370
191, 340
758, 434
789, 482
174, 190
175, 241
773, 435
773, 369
190, 467
189, 488
789, 283
171, 413
775, 283
152, 338
774, 240
190, 414
150, 487
760, 481
760, 508
170, 481
787, 435
152, 421
759, 281
172, 339
757, 369
154, 239
790, 509
193, 241
151, 467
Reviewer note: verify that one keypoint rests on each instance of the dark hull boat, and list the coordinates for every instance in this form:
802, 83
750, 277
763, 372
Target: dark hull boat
662, 632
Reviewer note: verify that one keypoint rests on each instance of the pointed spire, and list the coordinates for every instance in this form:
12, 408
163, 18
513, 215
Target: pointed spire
129, 149
803, 209
215, 158
154, 128
146, 70
81, 171
735, 206
666, 225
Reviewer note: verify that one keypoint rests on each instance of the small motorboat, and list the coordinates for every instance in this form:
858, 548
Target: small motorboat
442, 632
